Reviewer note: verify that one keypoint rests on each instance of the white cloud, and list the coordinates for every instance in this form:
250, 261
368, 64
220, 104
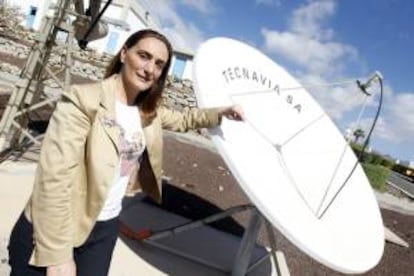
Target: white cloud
202, 6
382, 130
308, 43
183, 35
276, 3
399, 112
307, 20
311, 54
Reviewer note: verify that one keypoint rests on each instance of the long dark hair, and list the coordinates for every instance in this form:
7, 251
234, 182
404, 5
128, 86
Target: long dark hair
147, 100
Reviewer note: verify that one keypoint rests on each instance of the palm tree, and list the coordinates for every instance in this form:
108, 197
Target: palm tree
358, 133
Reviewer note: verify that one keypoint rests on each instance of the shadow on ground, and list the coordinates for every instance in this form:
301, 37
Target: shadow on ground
216, 244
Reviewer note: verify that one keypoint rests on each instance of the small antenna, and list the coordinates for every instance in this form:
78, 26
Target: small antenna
363, 86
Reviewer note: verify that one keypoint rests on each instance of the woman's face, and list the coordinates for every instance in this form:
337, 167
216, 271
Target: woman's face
143, 63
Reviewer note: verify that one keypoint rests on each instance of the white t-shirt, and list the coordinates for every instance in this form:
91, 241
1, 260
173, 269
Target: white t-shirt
131, 147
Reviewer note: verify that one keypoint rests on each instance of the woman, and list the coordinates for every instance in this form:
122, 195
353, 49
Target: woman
104, 140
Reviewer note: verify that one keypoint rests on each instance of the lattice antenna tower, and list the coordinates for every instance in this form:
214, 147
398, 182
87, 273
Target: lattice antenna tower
28, 94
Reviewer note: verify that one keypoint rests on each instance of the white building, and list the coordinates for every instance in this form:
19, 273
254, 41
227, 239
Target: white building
124, 17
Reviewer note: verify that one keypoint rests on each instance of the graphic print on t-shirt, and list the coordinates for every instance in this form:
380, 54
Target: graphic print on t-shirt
131, 148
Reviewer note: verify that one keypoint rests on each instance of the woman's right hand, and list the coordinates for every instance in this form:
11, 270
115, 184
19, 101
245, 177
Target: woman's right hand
66, 269
233, 112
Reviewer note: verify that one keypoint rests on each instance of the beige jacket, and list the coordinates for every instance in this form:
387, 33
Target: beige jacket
77, 165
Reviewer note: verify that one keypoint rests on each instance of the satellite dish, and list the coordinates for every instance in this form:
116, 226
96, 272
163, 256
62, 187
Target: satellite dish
289, 157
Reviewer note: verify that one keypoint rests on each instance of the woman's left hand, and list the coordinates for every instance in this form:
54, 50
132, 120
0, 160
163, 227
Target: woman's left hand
234, 112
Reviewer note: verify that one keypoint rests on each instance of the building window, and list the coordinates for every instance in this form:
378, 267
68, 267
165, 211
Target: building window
112, 43
30, 17
178, 67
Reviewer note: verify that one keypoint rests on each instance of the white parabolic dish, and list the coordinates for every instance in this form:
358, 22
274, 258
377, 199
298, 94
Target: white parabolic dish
289, 157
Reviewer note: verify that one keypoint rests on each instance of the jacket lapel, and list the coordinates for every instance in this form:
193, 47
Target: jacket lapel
108, 116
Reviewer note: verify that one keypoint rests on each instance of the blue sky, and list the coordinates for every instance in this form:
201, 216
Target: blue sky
319, 42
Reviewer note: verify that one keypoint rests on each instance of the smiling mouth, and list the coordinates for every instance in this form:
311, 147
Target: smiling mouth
143, 78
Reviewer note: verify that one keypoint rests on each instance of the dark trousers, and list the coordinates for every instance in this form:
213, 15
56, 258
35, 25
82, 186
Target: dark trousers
92, 258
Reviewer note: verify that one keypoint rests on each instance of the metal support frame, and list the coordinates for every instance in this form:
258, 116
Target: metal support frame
244, 254
242, 262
